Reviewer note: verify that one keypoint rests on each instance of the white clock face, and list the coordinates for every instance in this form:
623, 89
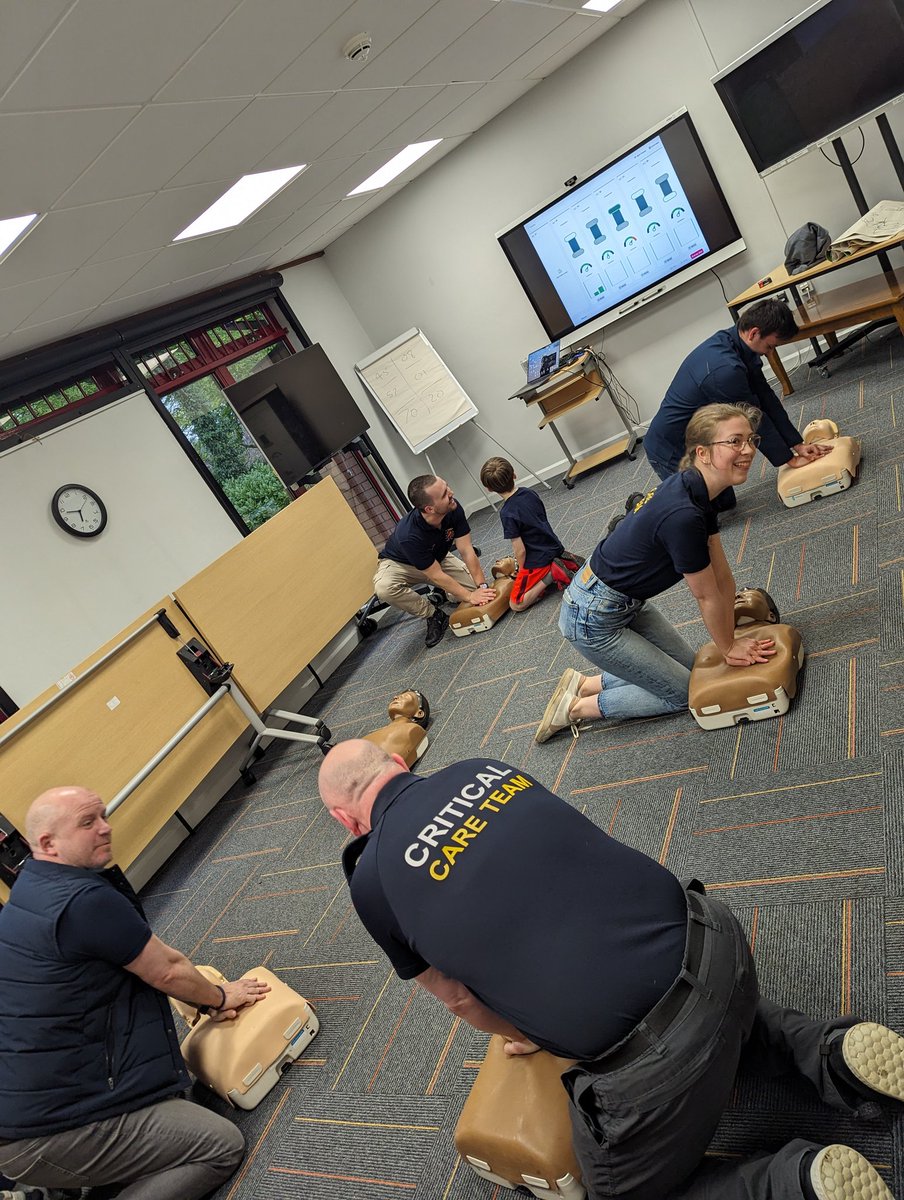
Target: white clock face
79, 510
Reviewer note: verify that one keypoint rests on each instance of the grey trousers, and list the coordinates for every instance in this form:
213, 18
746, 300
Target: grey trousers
174, 1150
641, 1130
394, 584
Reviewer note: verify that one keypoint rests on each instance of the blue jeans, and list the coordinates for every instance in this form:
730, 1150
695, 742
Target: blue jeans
646, 665
662, 467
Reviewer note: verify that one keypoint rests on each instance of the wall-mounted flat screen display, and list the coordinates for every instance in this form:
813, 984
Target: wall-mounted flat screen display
838, 62
645, 221
299, 412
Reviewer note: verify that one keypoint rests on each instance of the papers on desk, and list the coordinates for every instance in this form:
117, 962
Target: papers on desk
883, 221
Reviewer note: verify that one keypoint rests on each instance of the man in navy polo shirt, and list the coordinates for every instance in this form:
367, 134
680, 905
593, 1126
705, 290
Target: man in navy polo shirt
419, 550
93, 1071
528, 921
727, 368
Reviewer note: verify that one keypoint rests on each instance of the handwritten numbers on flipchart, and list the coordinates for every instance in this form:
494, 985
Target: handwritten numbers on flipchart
418, 391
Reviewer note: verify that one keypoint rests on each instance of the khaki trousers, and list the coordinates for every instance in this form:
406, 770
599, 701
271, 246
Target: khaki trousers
394, 584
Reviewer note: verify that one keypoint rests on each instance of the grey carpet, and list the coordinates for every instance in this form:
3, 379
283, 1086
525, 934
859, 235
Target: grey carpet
797, 823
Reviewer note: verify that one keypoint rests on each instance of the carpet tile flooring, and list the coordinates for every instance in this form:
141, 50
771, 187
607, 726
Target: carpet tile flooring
796, 822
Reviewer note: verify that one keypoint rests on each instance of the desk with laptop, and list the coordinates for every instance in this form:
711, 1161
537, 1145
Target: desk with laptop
558, 385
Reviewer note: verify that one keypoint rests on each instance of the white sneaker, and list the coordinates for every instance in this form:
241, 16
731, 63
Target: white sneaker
842, 1173
874, 1054
556, 718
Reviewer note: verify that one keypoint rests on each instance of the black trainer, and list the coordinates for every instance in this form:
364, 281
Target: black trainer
436, 627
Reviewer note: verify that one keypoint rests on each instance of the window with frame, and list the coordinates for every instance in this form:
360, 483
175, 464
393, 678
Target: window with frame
189, 373
43, 410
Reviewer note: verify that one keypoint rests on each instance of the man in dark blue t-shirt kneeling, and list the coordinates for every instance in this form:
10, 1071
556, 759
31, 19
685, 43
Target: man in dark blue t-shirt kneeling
528, 921
419, 551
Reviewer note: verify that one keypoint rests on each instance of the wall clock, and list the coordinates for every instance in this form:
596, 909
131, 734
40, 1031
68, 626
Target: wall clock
78, 510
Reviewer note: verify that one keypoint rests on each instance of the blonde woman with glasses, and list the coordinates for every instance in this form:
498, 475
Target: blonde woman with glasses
671, 534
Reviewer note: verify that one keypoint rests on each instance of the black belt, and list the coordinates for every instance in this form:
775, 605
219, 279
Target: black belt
661, 1016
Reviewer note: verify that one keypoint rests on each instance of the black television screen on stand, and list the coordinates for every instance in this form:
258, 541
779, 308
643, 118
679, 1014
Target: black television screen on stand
299, 412
648, 219
838, 63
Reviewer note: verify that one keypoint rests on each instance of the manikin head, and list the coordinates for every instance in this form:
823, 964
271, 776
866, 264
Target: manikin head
410, 706
67, 825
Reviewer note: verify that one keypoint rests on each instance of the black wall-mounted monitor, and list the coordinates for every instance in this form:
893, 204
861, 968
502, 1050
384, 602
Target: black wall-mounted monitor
839, 62
648, 219
299, 412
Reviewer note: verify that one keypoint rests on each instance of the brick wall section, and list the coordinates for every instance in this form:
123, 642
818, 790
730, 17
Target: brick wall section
365, 501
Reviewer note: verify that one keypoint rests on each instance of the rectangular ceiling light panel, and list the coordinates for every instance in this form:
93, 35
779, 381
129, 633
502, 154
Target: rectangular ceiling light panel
243, 198
601, 5
12, 230
401, 162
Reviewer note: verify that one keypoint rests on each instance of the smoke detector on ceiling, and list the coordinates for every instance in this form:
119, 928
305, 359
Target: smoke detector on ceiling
357, 48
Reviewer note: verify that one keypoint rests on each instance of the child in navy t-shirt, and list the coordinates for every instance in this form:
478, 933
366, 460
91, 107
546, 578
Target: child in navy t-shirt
542, 560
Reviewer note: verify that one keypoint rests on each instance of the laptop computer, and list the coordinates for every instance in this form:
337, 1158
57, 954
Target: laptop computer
542, 362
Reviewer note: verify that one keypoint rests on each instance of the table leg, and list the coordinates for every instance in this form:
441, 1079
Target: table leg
898, 314
780, 373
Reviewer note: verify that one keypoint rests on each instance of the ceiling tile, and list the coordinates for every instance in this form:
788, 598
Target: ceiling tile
128, 301
252, 48
322, 65
18, 303
422, 42
44, 332
89, 286
150, 151
480, 108
174, 263
381, 123
23, 35
339, 116
238, 148
149, 43
443, 103
42, 153
66, 239
489, 45
156, 224
556, 48
322, 231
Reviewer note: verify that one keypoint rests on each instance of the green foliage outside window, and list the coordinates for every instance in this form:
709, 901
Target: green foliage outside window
213, 428
258, 494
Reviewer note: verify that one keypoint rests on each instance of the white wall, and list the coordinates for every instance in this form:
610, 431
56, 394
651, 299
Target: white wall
64, 596
429, 257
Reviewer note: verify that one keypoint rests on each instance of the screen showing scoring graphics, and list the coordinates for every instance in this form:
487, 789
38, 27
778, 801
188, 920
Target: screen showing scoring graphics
629, 226
649, 215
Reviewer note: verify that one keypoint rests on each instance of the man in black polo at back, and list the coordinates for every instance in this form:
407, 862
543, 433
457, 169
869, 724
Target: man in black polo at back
727, 369
419, 551
528, 921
